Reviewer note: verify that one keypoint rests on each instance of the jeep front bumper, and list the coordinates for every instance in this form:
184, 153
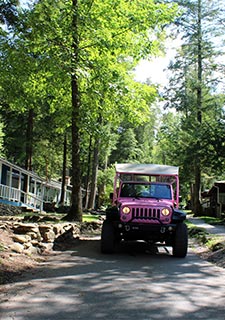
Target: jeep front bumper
144, 231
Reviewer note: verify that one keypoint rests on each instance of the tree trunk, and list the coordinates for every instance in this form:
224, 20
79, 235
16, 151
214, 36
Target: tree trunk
29, 140
197, 188
197, 208
63, 186
75, 212
88, 175
91, 203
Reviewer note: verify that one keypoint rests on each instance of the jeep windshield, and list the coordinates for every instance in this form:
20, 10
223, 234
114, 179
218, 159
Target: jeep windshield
145, 190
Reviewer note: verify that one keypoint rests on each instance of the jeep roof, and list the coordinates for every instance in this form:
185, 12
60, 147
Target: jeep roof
147, 169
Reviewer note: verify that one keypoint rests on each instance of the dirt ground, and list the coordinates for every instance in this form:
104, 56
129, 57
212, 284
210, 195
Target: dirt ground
12, 264
216, 257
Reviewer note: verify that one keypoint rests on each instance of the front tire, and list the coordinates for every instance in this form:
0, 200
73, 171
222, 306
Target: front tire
180, 244
107, 237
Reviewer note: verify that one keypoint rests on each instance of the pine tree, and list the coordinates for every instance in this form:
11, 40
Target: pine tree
194, 81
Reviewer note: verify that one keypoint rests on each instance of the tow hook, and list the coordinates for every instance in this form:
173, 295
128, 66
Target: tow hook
163, 230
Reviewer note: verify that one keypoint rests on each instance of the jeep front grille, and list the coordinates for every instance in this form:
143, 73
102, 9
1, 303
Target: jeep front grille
145, 213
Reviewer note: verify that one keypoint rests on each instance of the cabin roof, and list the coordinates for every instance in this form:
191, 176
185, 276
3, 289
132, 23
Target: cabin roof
17, 168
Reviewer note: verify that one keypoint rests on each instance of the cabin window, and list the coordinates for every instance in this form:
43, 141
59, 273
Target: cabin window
15, 179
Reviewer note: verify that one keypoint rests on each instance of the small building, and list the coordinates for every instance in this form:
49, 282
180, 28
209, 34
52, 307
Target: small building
20, 187
214, 200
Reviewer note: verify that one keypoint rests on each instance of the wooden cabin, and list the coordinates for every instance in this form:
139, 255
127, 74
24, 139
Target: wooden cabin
20, 187
214, 200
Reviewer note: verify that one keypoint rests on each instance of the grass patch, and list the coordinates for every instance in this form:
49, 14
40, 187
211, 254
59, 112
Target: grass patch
213, 220
198, 233
215, 243
212, 242
55, 218
90, 217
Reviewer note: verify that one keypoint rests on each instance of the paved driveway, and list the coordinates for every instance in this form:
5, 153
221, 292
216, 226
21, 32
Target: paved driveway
131, 284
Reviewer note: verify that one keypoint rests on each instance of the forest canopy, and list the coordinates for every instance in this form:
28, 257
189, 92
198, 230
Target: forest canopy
70, 105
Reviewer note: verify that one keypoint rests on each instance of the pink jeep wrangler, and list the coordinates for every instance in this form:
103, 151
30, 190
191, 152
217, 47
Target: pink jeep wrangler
145, 207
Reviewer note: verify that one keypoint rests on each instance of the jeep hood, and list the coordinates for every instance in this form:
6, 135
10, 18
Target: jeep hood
145, 202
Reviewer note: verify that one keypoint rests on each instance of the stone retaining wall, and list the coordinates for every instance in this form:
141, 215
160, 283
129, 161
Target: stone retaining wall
31, 237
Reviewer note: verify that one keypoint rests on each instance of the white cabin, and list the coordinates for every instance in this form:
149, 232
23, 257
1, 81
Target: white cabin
20, 187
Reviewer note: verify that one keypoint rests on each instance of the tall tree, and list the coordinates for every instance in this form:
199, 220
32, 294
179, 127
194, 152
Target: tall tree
113, 29
68, 44
195, 77
75, 212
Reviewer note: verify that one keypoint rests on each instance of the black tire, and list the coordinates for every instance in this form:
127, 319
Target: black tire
107, 237
180, 244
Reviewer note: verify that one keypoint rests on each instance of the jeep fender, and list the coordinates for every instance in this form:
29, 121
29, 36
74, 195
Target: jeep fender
178, 215
112, 213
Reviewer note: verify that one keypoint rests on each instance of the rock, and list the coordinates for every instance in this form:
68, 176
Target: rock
45, 247
21, 238
23, 228
8, 210
49, 236
91, 227
36, 238
57, 229
68, 234
3, 226
35, 235
76, 229
32, 219
35, 243
44, 227
32, 250
17, 247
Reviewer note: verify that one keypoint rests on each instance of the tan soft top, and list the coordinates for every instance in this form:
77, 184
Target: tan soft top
147, 169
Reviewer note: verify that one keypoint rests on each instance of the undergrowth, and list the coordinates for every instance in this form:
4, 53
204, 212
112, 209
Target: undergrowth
213, 220
213, 242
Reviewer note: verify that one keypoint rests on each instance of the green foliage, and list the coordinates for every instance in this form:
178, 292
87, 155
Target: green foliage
105, 185
212, 242
198, 233
14, 135
8, 12
37, 62
127, 149
199, 131
216, 243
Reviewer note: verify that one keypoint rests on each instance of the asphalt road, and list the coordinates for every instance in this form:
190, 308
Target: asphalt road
133, 284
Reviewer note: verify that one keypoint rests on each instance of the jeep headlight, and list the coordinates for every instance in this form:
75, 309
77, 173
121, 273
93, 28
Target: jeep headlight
126, 210
165, 211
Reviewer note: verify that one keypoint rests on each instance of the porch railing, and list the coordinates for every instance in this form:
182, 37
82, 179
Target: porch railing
28, 199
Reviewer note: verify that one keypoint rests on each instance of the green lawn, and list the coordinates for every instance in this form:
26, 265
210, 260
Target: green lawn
90, 217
